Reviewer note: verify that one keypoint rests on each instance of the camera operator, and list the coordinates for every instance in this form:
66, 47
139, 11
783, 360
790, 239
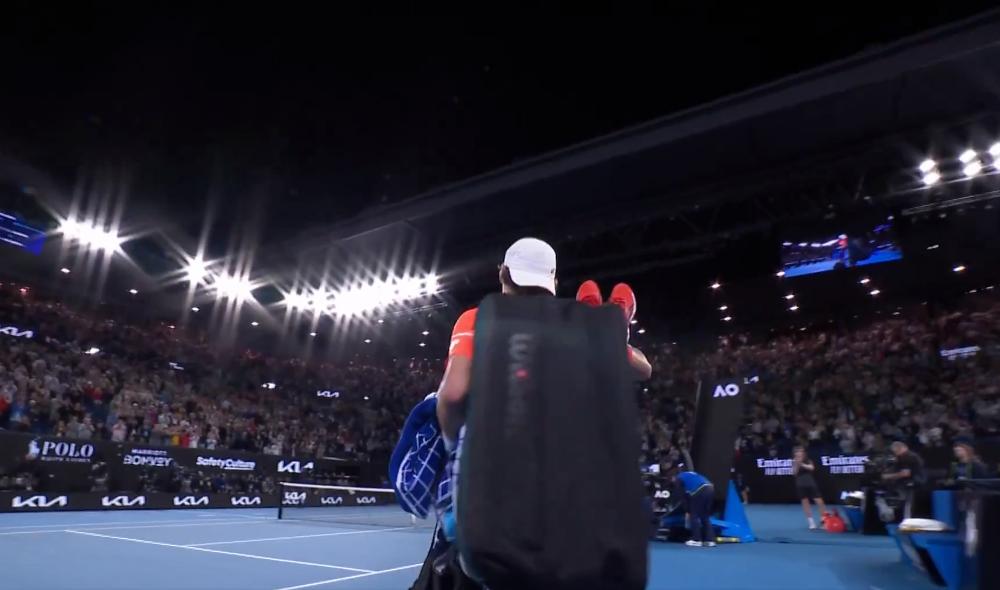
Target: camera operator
907, 475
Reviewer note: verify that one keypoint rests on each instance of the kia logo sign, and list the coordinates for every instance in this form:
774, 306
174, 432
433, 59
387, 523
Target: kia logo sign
16, 332
327, 393
294, 497
69, 452
367, 500
331, 500
190, 500
39, 502
728, 390
245, 501
293, 466
122, 501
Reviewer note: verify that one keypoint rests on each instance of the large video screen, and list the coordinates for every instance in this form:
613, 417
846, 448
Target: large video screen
841, 250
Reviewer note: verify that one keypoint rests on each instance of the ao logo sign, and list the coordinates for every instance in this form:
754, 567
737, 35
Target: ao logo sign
38, 502
122, 501
190, 500
662, 494
728, 390
367, 500
246, 501
293, 466
331, 500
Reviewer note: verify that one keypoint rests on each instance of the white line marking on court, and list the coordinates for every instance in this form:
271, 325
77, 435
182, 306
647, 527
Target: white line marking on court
253, 517
354, 577
31, 532
64, 525
149, 526
202, 549
365, 532
167, 526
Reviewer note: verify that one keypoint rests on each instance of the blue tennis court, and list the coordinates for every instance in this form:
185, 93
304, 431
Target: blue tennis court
251, 549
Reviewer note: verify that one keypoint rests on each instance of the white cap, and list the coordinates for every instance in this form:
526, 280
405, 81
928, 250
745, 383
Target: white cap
532, 263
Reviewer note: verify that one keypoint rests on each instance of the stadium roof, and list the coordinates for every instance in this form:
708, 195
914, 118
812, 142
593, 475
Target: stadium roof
874, 110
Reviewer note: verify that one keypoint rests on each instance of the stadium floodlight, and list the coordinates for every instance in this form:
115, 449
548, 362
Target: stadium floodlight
793, 308
270, 385
933, 246
959, 268
90, 235
422, 344
196, 309
967, 156
972, 168
728, 318
716, 285
865, 281
927, 165
368, 340
874, 292
231, 287
931, 177
790, 296
995, 151
312, 334
255, 323
133, 291
92, 350
779, 274
64, 270
196, 271
641, 331
296, 300
723, 307
425, 333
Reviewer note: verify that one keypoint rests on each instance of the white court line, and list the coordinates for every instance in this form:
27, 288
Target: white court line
32, 532
167, 526
365, 532
149, 526
62, 526
354, 577
253, 517
202, 549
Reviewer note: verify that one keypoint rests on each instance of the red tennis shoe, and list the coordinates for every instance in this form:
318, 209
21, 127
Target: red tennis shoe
623, 297
589, 294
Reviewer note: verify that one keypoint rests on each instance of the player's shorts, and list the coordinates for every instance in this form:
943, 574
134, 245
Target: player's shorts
808, 491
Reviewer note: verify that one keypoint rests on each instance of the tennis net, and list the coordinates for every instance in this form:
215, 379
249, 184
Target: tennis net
345, 505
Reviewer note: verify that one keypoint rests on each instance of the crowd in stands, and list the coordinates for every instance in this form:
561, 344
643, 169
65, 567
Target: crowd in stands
152, 386
925, 380
835, 389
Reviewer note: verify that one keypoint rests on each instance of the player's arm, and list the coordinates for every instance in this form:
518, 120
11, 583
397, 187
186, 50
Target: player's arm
640, 366
807, 465
451, 396
455, 383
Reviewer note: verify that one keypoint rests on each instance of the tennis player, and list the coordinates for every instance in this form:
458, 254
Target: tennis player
804, 471
528, 269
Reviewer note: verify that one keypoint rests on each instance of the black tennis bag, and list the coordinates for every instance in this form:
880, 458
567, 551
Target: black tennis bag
550, 495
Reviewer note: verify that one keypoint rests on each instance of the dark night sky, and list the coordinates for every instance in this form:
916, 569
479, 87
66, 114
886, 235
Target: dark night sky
325, 116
